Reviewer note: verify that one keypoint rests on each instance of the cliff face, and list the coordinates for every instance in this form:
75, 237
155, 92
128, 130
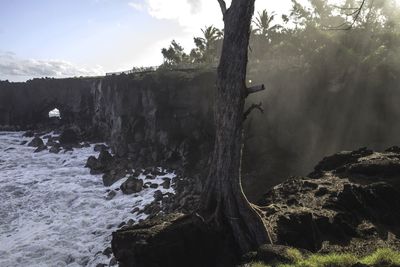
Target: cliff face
166, 118
159, 117
28, 104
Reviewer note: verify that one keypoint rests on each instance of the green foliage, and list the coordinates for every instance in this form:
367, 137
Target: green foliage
205, 51
264, 26
175, 54
382, 257
294, 254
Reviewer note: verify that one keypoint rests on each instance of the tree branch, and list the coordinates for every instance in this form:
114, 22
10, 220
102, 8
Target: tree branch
255, 89
251, 108
355, 14
222, 4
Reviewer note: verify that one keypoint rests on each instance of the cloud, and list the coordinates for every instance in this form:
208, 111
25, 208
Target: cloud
12, 66
137, 6
195, 14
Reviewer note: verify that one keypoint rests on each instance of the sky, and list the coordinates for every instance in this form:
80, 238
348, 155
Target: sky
64, 38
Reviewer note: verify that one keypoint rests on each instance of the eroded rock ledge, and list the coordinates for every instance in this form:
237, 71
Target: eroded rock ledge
350, 203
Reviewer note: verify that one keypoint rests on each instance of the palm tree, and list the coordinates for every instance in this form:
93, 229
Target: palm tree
263, 24
206, 46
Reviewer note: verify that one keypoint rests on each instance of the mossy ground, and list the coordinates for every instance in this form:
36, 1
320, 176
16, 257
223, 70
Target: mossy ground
381, 257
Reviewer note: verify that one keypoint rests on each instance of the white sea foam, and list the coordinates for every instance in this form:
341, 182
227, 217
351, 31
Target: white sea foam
53, 212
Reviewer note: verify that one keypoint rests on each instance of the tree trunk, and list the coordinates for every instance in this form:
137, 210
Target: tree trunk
223, 201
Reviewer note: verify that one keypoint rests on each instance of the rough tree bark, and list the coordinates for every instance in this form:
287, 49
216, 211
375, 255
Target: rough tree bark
223, 202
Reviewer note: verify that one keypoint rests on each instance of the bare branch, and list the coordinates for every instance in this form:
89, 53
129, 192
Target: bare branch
355, 15
251, 108
222, 4
255, 89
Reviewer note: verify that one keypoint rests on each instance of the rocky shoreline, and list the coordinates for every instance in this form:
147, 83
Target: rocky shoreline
349, 203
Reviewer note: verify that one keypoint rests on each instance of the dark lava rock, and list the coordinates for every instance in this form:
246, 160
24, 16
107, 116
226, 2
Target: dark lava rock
36, 142
339, 160
40, 148
105, 157
29, 134
100, 147
69, 136
154, 186
132, 185
94, 165
352, 201
111, 177
113, 262
111, 195
173, 240
158, 195
51, 142
107, 252
167, 183
55, 149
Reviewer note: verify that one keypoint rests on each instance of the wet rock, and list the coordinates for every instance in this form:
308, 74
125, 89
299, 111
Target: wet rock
131, 185
68, 148
107, 252
111, 195
154, 186
51, 142
158, 195
167, 183
23, 143
36, 142
55, 149
113, 262
94, 165
100, 147
105, 158
113, 176
136, 209
40, 148
85, 144
29, 134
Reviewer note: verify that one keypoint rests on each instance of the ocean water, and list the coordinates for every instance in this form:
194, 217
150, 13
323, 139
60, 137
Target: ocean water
53, 212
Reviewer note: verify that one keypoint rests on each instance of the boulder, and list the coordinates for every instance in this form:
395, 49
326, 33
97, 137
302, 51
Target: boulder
55, 149
29, 134
158, 195
40, 148
172, 240
94, 165
352, 199
131, 185
167, 183
113, 176
36, 142
111, 195
51, 142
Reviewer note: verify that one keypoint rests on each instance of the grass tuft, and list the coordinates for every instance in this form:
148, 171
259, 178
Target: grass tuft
294, 255
381, 257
